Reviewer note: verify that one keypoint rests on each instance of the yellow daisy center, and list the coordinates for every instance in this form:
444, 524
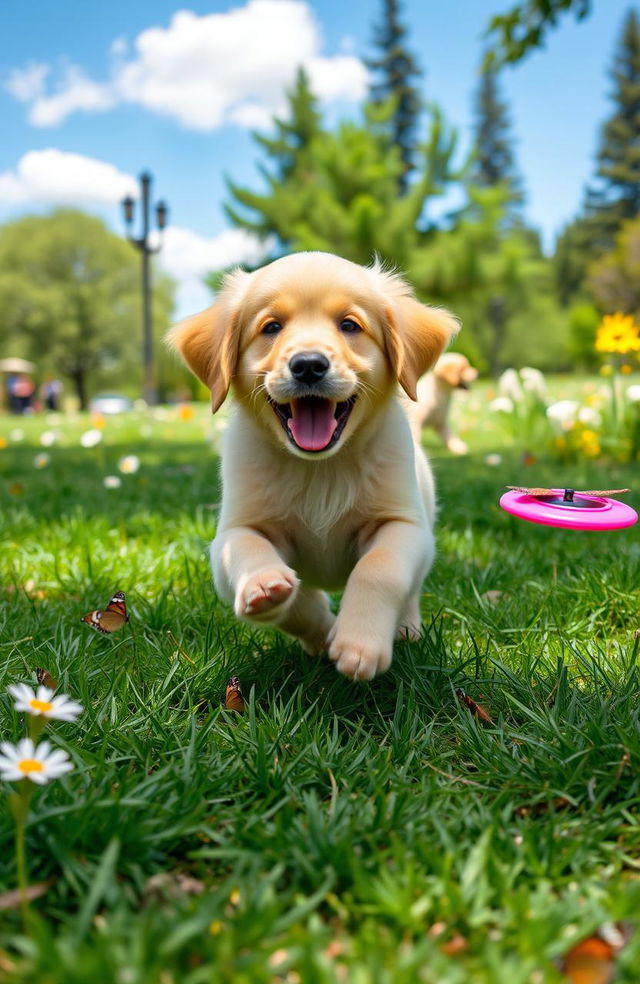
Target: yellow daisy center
30, 765
41, 705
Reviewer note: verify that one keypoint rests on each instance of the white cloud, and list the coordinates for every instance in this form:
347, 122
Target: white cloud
75, 92
205, 71
188, 257
27, 84
60, 178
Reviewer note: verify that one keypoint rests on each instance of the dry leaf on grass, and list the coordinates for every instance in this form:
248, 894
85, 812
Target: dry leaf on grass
476, 709
11, 900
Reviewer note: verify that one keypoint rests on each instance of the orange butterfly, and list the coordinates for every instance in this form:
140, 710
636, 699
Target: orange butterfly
233, 700
593, 960
44, 677
112, 618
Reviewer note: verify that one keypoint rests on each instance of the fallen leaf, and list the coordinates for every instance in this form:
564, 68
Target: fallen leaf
476, 709
493, 596
457, 944
542, 806
11, 900
172, 885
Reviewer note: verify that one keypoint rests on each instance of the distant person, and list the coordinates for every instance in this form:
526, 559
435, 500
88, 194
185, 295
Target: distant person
23, 389
50, 392
12, 400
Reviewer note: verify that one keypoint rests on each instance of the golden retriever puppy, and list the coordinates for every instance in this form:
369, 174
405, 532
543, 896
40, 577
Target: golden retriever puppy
323, 485
452, 371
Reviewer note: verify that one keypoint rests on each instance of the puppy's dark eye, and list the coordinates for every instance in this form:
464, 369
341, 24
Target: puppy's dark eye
272, 328
349, 326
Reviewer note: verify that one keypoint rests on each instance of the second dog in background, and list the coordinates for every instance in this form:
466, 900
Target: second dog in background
452, 371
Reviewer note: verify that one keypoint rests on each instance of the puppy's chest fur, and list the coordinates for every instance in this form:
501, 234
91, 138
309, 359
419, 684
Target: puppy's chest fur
317, 513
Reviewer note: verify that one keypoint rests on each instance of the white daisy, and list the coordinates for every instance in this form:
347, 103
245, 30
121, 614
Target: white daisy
112, 482
43, 703
38, 763
41, 460
129, 464
48, 438
90, 438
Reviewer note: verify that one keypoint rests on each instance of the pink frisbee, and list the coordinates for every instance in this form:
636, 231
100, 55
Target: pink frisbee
569, 509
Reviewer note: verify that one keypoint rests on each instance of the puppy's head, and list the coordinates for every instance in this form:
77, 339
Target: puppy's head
313, 345
455, 370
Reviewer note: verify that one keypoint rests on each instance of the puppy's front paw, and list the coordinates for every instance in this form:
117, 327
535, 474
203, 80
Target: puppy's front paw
358, 657
264, 593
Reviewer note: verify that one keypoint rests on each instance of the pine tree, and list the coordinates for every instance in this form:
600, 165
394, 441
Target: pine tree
494, 162
394, 71
616, 197
289, 150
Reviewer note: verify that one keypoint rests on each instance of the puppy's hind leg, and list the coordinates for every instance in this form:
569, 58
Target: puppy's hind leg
309, 619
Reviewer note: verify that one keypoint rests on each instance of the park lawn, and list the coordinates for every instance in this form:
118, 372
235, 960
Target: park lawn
335, 832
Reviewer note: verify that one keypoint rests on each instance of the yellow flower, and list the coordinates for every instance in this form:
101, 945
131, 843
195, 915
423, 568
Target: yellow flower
625, 368
589, 443
618, 333
3, 442
185, 412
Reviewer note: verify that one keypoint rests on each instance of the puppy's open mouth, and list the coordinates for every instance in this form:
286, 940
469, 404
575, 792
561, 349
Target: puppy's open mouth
313, 423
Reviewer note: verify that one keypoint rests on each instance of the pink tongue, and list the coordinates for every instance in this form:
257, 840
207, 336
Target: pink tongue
312, 422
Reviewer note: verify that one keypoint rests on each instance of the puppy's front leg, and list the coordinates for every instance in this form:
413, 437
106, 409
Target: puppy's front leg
390, 570
249, 573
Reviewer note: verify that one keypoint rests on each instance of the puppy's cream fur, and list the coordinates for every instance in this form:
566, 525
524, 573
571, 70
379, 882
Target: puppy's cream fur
434, 391
355, 514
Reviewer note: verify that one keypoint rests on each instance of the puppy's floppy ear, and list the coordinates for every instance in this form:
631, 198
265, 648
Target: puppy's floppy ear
417, 335
209, 341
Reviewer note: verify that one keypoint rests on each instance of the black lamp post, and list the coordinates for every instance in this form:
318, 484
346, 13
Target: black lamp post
128, 205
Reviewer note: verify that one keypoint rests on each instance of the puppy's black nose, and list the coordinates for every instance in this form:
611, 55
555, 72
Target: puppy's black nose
308, 367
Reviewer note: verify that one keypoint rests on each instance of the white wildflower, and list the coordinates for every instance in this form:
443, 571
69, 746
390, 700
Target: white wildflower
633, 394
90, 438
501, 404
509, 385
39, 763
563, 414
129, 464
43, 703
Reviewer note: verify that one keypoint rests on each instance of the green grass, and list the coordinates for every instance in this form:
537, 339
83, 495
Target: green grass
335, 832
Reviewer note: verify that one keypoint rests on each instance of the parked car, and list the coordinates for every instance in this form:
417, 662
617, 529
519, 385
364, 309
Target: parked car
110, 403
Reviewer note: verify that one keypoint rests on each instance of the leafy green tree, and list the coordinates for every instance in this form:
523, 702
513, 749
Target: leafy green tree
583, 325
337, 190
394, 70
489, 277
493, 157
614, 279
616, 196
288, 174
525, 27
70, 297
572, 255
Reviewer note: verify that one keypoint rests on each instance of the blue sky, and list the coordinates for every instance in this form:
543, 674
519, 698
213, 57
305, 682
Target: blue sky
92, 94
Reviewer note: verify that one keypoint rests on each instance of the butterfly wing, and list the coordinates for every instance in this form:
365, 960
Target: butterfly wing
590, 962
112, 618
233, 700
44, 677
